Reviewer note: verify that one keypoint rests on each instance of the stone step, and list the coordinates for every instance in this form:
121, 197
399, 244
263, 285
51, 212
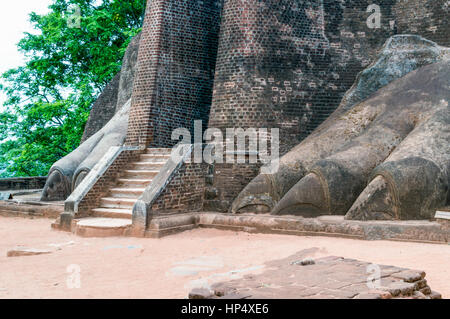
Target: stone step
154, 158
134, 182
146, 166
113, 202
142, 174
159, 151
102, 227
127, 192
113, 212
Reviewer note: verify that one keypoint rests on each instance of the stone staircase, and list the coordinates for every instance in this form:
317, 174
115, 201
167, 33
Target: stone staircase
113, 216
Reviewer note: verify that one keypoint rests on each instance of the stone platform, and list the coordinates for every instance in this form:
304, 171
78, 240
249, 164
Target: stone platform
297, 277
331, 226
436, 232
30, 208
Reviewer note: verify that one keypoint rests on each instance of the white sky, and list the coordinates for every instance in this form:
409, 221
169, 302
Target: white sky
13, 23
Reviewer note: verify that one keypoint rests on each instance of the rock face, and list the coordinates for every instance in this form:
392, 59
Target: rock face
404, 135
103, 109
327, 278
66, 174
358, 137
116, 94
106, 127
400, 55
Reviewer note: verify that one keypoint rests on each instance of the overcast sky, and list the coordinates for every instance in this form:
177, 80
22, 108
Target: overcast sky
13, 23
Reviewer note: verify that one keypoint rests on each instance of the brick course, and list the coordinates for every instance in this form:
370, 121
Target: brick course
22, 183
185, 193
287, 63
173, 85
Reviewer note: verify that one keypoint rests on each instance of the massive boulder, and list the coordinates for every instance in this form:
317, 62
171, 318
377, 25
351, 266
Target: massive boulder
103, 109
327, 171
115, 94
107, 126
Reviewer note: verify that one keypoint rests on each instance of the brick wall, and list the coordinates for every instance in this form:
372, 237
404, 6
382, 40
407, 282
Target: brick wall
185, 193
426, 18
224, 183
23, 183
287, 63
173, 84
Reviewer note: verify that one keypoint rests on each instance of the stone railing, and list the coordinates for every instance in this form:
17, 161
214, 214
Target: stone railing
178, 188
88, 193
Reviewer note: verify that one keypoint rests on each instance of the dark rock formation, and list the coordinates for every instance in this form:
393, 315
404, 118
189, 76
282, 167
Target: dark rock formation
400, 55
106, 127
127, 72
402, 150
103, 109
116, 93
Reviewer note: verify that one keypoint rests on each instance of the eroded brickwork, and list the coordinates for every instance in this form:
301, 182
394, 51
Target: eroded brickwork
426, 18
173, 85
185, 193
22, 183
323, 278
225, 181
287, 63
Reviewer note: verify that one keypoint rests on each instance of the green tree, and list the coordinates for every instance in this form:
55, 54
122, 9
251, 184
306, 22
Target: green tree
68, 63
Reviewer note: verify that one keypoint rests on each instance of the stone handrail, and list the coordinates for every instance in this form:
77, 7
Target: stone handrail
71, 205
142, 208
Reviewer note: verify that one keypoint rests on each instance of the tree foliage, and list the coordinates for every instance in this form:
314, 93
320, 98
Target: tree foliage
68, 61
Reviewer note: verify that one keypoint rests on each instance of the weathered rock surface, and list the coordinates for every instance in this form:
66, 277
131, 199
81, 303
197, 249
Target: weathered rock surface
106, 127
400, 55
103, 109
328, 278
127, 72
407, 119
116, 93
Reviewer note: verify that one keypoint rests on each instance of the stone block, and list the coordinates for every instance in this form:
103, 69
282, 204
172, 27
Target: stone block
23, 251
200, 293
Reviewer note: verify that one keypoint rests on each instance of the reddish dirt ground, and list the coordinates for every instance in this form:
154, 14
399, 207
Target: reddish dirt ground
170, 267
